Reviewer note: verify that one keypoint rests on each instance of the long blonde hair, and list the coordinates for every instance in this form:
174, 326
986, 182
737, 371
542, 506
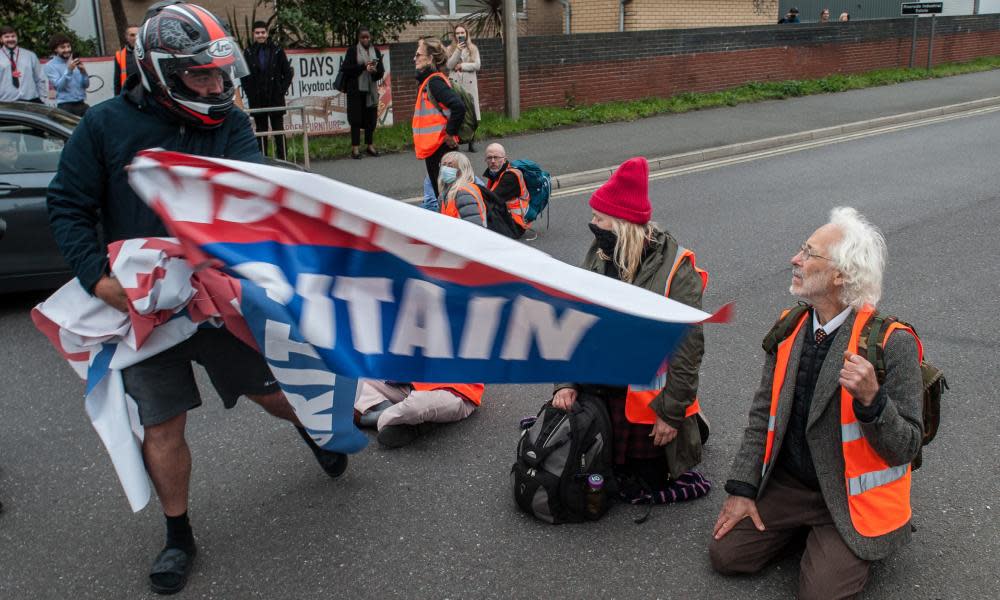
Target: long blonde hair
631, 243
465, 174
435, 50
453, 47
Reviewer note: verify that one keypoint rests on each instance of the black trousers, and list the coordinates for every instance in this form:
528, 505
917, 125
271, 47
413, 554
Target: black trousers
277, 121
433, 164
369, 121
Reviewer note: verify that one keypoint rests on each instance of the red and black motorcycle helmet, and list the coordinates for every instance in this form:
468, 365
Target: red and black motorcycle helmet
178, 40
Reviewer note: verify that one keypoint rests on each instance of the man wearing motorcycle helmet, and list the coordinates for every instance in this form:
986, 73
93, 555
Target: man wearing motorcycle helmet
181, 100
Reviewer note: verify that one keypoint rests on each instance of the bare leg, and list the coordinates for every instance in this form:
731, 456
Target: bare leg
277, 405
168, 460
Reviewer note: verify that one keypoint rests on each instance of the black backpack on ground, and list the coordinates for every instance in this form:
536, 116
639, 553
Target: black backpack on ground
556, 454
498, 216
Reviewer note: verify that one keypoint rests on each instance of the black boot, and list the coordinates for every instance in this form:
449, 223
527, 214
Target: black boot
472, 146
333, 463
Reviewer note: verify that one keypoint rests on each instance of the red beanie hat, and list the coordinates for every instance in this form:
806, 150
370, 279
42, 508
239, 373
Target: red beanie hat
626, 194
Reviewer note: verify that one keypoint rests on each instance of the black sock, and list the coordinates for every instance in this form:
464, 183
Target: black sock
179, 533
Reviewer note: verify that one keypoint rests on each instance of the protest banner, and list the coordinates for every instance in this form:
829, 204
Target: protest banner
379, 288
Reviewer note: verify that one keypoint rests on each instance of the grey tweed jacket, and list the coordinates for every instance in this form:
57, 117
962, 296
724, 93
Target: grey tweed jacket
895, 434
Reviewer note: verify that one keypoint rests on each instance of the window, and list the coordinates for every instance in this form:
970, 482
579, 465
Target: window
25, 148
454, 8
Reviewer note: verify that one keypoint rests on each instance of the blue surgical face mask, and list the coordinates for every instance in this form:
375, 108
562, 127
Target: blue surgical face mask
448, 174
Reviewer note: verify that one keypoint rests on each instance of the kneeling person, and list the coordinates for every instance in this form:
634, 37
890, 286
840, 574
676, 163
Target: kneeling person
405, 411
657, 428
828, 454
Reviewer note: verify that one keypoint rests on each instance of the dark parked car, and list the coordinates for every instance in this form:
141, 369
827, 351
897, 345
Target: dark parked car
31, 139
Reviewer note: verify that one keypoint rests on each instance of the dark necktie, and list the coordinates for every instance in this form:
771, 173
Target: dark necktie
13, 69
820, 336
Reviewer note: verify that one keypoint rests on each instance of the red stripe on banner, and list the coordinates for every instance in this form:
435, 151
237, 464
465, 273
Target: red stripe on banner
51, 331
293, 228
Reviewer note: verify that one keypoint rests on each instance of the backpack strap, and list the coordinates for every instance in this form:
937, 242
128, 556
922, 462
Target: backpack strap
783, 327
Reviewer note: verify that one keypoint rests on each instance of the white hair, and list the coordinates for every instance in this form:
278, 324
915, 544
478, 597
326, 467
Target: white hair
860, 257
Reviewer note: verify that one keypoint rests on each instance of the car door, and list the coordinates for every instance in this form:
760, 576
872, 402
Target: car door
29, 157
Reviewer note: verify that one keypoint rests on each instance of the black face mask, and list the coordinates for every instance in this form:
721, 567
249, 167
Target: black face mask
606, 240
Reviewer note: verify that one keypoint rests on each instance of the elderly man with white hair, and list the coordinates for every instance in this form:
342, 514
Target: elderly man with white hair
826, 455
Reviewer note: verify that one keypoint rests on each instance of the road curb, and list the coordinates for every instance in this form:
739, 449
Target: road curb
582, 178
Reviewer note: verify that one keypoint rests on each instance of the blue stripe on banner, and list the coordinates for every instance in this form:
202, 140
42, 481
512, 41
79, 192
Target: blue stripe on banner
98, 368
371, 314
324, 402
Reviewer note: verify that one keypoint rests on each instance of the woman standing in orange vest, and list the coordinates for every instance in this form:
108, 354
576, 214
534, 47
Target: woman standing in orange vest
658, 427
438, 113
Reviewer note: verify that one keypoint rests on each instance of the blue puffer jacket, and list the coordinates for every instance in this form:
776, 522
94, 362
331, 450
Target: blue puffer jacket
91, 186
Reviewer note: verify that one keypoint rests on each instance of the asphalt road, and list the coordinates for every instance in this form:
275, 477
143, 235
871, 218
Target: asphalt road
436, 520
583, 148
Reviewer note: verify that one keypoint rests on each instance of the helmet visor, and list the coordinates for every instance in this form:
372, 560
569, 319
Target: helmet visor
222, 53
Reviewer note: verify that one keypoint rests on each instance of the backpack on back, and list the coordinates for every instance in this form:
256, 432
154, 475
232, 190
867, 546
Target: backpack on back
870, 347
467, 131
539, 184
556, 453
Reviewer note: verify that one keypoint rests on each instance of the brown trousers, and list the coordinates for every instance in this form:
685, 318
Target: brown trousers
790, 510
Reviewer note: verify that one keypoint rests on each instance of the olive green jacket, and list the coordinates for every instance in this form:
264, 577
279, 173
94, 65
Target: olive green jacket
684, 452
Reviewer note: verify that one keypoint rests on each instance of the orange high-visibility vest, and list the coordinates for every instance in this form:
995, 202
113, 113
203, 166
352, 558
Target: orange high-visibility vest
878, 494
120, 57
518, 207
429, 120
638, 398
473, 392
450, 207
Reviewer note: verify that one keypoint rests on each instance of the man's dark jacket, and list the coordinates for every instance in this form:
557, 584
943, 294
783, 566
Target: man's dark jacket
91, 186
266, 86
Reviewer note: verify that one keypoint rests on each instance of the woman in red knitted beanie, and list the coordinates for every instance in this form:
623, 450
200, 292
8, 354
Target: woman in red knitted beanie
658, 427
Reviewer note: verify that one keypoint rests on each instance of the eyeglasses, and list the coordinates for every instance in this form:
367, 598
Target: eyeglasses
496, 158
807, 252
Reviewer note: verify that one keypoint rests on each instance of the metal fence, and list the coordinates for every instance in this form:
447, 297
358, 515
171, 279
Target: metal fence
287, 132
865, 9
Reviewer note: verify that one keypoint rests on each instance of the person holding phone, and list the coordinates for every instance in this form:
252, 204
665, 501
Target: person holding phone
67, 75
363, 69
463, 64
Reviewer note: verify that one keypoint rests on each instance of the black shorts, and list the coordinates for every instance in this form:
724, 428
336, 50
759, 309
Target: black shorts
163, 385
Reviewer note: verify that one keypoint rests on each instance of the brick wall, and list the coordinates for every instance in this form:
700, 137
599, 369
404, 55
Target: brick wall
603, 15
599, 67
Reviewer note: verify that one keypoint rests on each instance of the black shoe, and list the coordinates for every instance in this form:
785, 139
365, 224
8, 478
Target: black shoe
170, 570
356, 155
333, 463
371, 152
397, 436
472, 147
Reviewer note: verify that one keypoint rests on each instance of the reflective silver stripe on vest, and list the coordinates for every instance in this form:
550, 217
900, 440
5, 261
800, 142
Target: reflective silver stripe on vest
850, 432
771, 420
654, 386
866, 481
432, 129
426, 112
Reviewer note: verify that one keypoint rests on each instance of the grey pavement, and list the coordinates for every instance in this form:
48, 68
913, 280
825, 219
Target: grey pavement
436, 520
563, 151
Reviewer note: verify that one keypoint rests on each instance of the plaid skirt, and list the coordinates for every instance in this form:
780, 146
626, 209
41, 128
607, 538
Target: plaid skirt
632, 441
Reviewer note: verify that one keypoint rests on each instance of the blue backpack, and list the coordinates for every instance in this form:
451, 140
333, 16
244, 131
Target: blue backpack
539, 186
